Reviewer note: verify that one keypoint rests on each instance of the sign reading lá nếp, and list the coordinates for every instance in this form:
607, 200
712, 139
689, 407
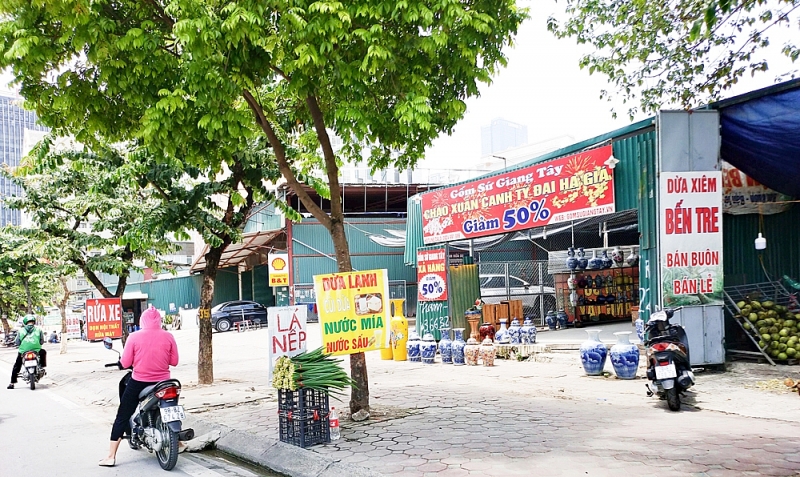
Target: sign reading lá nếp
287, 332
432, 274
691, 238
353, 311
570, 188
103, 318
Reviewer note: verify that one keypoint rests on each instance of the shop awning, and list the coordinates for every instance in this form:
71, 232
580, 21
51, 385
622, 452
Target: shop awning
761, 135
252, 243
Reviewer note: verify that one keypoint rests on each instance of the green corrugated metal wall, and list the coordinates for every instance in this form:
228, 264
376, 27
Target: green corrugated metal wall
782, 256
413, 230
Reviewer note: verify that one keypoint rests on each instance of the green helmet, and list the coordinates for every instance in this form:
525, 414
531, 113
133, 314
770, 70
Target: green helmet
28, 318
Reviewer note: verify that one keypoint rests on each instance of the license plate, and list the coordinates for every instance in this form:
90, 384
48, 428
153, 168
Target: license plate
173, 413
30, 364
666, 372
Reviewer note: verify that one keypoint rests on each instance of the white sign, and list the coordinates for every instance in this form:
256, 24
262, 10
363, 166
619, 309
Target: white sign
691, 238
744, 195
73, 326
287, 332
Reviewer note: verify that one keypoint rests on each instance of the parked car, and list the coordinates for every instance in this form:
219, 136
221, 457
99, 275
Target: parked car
224, 315
493, 291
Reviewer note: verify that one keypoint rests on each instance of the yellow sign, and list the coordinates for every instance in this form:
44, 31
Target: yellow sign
353, 311
278, 265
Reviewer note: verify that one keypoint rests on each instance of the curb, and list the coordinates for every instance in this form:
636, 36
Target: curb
278, 456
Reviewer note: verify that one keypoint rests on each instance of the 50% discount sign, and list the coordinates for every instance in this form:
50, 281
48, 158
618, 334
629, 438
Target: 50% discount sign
432, 286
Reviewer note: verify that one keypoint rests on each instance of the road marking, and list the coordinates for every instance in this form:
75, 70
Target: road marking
76, 408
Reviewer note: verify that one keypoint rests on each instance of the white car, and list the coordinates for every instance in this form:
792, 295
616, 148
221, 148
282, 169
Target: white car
493, 291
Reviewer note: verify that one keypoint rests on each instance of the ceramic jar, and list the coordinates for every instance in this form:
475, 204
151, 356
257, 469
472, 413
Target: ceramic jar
487, 352
618, 257
607, 262
633, 259
595, 263
624, 356
572, 261
572, 282
472, 352
502, 334
427, 348
486, 331
639, 323
599, 281
551, 320
514, 332
473, 317
593, 354
562, 318
446, 346
528, 332
412, 347
458, 346
582, 260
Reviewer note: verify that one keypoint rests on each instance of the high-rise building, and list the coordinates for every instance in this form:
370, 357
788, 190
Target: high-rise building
501, 135
14, 122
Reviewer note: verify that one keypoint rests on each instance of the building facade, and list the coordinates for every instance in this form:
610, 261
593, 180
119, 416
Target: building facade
501, 135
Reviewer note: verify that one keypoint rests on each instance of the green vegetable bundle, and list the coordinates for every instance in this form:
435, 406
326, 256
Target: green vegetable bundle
311, 370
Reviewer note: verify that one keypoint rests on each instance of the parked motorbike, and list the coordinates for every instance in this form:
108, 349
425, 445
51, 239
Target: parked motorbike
668, 365
156, 423
10, 338
32, 372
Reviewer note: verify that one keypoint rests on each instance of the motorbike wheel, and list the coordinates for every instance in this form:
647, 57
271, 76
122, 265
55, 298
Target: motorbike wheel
33, 382
673, 399
168, 454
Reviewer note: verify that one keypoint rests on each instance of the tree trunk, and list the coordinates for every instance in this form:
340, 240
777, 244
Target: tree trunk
28, 294
205, 360
6, 326
62, 307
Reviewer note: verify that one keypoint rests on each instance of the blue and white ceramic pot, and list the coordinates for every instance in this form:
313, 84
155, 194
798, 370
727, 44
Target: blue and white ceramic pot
595, 263
640, 329
607, 262
582, 260
562, 318
593, 354
446, 346
528, 332
427, 349
458, 346
550, 319
502, 334
412, 347
514, 332
624, 356
572, 262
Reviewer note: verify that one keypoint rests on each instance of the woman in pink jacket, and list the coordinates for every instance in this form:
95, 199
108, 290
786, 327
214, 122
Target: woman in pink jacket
151, 351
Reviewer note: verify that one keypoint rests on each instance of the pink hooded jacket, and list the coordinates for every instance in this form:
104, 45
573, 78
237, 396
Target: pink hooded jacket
150, 350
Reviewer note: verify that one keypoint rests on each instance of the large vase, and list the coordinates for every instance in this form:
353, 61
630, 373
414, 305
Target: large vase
562, 318
473, 318
427, 349
593, 354
412, 347
527, 334
639, 329
458, 346
624, 356
502, 334
514, 332
446, 346
551, 320
486, 331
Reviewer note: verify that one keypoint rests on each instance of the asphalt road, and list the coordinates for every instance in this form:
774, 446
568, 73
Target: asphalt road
44, 434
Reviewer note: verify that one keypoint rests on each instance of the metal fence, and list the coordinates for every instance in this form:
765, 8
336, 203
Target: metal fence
527, 280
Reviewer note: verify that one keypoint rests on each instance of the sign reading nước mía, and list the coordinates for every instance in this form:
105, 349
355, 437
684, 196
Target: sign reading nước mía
565, 189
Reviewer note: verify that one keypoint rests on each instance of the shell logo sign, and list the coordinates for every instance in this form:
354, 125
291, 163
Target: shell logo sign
278, 264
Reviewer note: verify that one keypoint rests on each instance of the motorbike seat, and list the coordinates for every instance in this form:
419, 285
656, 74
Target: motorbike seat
147, 390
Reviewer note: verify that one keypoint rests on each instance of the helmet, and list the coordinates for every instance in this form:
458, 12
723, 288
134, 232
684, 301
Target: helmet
29, 318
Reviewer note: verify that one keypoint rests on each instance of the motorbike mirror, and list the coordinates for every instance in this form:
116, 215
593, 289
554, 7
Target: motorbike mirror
659, 316
108, 343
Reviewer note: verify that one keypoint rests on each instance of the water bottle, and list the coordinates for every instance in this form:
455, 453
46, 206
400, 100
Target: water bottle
333, 419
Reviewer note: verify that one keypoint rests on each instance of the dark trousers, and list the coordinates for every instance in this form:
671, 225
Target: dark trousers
18, 364
127, 406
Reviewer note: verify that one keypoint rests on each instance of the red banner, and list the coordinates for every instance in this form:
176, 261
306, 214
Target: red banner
432, 275
570, 188
103, 318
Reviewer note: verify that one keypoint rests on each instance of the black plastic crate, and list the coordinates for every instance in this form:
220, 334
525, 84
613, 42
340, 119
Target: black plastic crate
303, 417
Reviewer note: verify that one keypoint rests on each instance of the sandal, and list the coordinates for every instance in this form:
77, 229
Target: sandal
108, 462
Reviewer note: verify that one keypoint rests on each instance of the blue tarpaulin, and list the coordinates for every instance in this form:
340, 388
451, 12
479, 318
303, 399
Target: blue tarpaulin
761, 137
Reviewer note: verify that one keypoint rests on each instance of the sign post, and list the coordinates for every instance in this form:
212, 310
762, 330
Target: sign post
103, 318
287, 332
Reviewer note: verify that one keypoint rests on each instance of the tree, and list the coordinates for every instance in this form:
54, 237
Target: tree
682, 52
386, 77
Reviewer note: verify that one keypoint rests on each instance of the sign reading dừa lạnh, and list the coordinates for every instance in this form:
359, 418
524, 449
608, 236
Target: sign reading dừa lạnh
691, 238
103, 318
565, 189
432, 275
353, 311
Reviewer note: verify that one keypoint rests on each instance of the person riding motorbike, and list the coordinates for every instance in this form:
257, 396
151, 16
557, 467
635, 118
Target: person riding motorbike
151, 351
29, 338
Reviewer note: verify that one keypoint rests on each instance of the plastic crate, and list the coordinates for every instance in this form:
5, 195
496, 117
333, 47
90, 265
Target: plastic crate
303, 417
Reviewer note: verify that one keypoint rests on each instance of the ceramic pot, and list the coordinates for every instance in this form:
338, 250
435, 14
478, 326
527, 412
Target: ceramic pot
528, 332
582, 260
624, 356
486, 331
599, 281
572, 261
412, 347
618, 257
473, 317
487, 352
458, 346
639, 329
472, 352
595, 263
633, 259
446, 346
572, 282
427, 348
562, 318
514, 332
607, 262
551, 320
502, 334
593, 354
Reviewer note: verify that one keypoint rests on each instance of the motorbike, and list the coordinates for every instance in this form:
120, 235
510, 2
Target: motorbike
10, 338
32, 372
668, 365
156, 423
